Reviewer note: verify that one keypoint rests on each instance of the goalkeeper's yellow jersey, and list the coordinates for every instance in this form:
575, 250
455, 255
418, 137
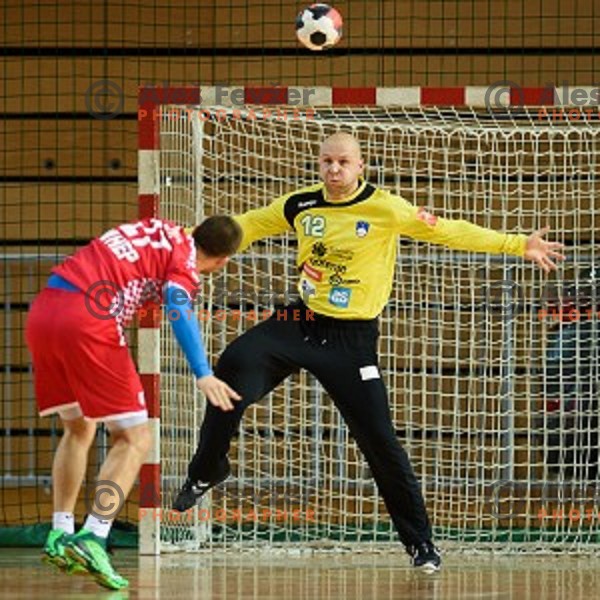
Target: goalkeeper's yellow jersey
347, 248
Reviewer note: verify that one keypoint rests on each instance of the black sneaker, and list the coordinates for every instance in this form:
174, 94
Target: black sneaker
426, 557
191, 492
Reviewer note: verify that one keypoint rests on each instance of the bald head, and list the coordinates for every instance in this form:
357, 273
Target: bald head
340, 165
341, 141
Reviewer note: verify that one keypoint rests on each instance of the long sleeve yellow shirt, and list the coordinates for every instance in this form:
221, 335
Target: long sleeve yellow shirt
347, 249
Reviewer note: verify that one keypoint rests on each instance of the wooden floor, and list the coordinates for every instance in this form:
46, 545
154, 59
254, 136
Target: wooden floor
312, 577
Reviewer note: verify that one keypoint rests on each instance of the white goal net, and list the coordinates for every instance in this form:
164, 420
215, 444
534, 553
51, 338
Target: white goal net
493, 394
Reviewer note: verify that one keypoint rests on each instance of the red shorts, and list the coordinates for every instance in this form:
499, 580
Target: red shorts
78, 360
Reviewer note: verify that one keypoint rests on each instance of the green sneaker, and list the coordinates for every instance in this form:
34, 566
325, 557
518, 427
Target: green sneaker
54, 552
54, 549
89, 551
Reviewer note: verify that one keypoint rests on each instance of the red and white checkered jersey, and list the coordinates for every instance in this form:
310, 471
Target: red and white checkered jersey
130, 264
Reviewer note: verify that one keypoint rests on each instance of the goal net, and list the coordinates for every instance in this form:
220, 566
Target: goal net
492, 386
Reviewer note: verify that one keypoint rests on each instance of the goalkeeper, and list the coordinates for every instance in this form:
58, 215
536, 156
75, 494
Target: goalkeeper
347, 231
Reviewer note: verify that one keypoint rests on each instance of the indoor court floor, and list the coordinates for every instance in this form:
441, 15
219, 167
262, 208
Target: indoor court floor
320, 576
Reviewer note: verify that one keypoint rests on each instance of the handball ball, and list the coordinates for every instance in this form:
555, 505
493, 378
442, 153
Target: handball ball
319, 27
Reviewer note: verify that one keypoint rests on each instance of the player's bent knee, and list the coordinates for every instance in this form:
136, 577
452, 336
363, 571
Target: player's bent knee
70, 413
137, 436
80, 428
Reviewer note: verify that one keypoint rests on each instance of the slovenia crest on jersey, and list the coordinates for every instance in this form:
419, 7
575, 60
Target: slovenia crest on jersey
362, 228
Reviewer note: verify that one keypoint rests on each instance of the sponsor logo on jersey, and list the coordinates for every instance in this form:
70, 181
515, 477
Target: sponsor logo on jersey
340, 296
337, 279
426, 217
341, 254
327, 264
312, 272
319, 249
362, 228
307, 204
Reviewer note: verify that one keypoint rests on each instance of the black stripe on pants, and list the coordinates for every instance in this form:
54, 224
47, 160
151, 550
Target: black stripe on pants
334, 351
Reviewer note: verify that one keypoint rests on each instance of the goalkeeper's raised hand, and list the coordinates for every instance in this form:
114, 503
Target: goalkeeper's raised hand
542, 252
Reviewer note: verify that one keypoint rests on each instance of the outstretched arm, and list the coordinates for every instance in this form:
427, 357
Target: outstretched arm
263, 222
461, 235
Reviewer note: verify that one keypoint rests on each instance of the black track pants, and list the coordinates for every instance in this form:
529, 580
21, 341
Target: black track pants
342, 356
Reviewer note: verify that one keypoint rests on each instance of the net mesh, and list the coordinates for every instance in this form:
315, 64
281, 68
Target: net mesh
466, 339
181, 409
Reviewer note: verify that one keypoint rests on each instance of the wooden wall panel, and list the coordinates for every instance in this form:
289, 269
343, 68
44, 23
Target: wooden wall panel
63, 210
270, 23
13, 350
18, 409
67, 148
51, 85
71, 23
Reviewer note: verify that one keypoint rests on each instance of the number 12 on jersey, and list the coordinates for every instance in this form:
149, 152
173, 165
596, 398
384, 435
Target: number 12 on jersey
313, 225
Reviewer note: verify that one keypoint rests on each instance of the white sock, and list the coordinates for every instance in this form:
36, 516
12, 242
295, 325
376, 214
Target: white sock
64, 521
101, 527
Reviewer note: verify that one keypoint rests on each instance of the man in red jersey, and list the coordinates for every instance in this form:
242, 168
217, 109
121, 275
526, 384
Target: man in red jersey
83, 370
